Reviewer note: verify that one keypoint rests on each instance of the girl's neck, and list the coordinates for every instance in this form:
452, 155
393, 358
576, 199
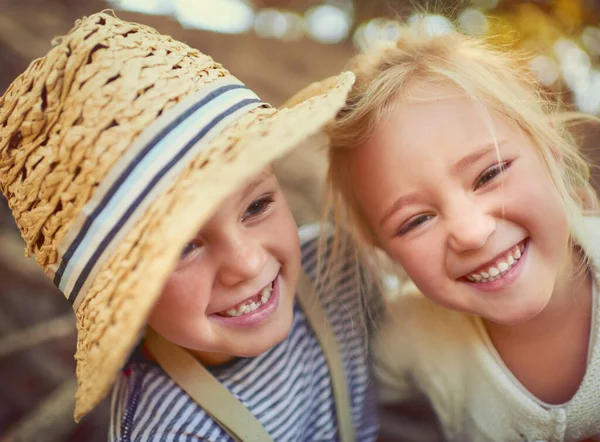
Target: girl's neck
548, 354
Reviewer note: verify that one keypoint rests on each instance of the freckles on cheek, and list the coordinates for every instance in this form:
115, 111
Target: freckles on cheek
183, 292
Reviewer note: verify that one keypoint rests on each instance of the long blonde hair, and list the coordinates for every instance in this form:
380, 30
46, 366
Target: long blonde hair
493, 79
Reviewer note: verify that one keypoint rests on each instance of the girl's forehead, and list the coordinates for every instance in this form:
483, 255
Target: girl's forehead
434, 117
445, 127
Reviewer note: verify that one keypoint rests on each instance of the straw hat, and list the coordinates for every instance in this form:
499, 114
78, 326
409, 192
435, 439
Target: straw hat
115, 147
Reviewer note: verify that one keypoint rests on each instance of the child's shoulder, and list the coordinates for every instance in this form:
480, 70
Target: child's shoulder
416, 329
338, 266
414, 313
147, 405
418, 337
309, 233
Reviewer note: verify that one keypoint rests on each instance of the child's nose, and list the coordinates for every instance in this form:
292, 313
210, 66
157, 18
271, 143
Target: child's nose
470, 228
244, 260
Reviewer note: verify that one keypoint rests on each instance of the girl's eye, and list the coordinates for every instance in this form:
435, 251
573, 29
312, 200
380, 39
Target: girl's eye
258, 207
413, 223
491, 174
189, 248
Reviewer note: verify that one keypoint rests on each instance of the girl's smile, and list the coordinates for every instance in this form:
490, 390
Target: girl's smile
500, 272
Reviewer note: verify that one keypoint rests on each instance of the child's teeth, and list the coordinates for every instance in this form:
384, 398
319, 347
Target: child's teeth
250, 306
493, 273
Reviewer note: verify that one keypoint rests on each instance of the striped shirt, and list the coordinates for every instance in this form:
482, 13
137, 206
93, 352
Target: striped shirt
288, 388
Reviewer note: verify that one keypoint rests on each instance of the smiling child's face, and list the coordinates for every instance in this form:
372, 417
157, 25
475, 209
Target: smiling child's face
232, 292
479, 230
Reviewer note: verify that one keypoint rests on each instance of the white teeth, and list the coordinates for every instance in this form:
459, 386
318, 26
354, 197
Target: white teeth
493, 273
250, 306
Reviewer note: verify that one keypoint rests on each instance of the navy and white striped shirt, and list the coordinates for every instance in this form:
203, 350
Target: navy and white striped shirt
288, 388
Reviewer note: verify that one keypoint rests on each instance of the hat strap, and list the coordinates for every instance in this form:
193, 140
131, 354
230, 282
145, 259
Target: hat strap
150, 165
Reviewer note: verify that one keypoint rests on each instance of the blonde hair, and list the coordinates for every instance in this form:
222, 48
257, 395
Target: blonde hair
493, 79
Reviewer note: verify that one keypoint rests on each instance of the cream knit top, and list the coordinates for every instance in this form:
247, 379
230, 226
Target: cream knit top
449, 357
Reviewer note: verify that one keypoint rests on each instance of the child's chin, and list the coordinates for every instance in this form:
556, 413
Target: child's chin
518, 316
258, 344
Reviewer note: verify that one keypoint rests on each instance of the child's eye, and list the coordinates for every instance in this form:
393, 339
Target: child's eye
491, 174
189, 248
413, 223
258, 207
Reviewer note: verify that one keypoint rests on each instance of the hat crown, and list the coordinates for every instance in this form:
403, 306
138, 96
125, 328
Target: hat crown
72, 115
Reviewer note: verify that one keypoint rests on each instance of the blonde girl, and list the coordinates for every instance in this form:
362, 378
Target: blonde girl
449, 159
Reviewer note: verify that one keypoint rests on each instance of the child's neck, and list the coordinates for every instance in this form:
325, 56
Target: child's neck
548, 354
211, 359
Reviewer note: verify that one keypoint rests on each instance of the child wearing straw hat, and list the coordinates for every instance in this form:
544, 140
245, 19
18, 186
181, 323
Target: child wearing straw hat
137, 169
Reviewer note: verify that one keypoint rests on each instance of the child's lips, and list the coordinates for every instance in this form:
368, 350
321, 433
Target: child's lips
494, 268
251, 316
249, 304
495, 282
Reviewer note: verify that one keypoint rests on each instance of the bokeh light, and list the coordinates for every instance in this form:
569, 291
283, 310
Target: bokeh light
150, 7
328, 23
376, 31
283, 25
545, 70
473, 22
591, 40
226, 16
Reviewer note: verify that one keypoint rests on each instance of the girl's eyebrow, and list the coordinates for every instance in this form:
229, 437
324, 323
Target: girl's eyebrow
472, 158
403, 200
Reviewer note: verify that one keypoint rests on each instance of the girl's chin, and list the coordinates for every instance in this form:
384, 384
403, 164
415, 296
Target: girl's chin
518, 316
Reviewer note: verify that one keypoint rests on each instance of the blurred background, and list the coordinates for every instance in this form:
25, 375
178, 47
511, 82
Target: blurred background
276, 47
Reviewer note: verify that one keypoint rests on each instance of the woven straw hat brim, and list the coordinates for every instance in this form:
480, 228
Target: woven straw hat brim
117, 306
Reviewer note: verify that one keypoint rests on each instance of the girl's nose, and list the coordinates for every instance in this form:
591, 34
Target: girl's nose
470, 227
